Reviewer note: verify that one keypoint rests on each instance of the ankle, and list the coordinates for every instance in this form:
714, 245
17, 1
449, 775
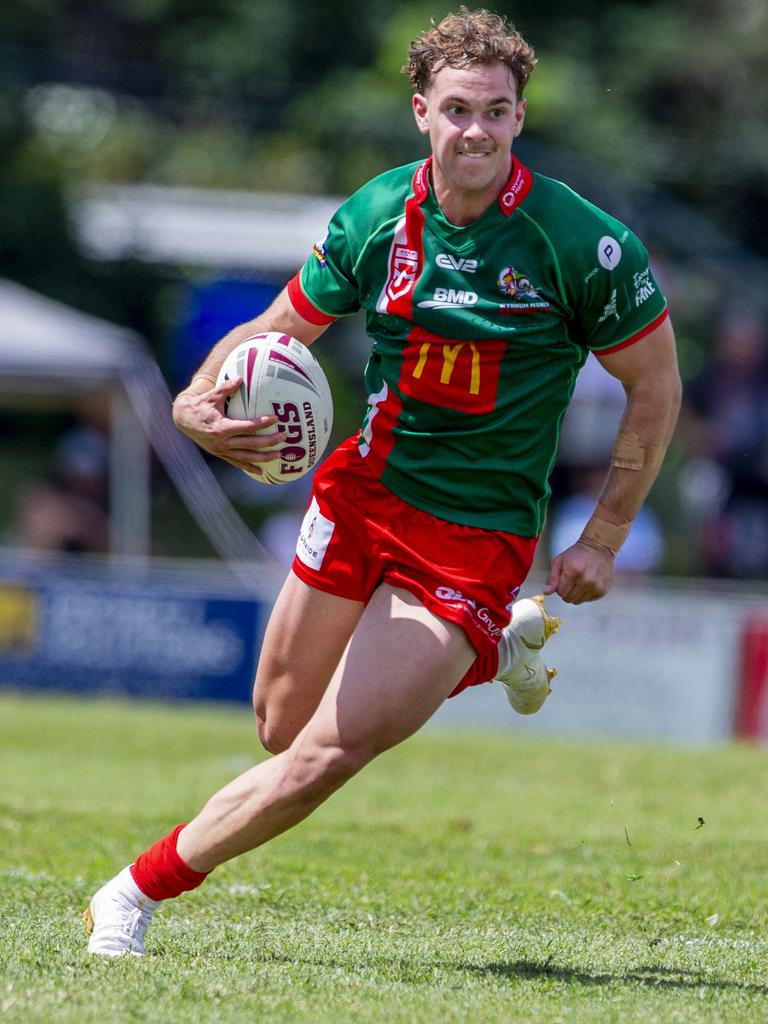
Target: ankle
160, 873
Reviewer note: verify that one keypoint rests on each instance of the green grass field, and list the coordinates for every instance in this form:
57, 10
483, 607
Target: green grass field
464, 877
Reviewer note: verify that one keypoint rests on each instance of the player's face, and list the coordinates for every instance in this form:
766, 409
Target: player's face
472, 115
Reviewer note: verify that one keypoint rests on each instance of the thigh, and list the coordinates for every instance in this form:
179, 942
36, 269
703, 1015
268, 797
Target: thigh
401, 663
305, 638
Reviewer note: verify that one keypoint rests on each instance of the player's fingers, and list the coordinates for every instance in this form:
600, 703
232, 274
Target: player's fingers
553, 580
245, 428
228, 386
567, 586
258, 442
588, 589
245, 456
577, 586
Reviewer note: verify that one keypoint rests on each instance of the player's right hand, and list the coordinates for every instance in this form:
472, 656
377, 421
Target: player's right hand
242, 443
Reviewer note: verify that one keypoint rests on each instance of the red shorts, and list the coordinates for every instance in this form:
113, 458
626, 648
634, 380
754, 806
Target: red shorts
357, 534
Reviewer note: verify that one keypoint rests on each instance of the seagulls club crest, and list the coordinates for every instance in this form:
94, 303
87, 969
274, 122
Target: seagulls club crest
518, 288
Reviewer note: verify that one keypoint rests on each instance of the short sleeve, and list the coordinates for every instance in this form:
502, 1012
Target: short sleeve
615, 297
327, 282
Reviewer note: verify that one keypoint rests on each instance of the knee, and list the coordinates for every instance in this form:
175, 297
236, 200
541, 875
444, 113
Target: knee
275, 736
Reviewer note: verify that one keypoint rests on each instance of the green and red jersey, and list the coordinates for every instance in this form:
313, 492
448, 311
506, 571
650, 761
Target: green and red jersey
478, 333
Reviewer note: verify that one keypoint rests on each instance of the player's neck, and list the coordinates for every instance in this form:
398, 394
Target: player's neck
464, 206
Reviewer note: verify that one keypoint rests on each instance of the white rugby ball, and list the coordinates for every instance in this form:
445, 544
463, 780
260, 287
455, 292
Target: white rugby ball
282, 378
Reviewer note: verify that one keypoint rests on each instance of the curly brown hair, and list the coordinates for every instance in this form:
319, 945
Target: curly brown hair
469, 37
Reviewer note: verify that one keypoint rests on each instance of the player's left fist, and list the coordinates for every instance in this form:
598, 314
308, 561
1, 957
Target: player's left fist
583, 572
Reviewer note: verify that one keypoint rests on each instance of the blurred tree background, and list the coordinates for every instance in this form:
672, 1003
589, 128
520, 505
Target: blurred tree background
290, 96
283, 95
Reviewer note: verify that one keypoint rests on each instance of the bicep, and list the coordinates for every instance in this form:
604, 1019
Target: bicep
282, 316
652, 360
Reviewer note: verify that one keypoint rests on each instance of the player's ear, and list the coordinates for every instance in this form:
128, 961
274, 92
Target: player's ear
520, 116
420, 112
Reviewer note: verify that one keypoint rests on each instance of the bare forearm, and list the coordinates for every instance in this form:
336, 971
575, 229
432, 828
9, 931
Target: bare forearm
641, 444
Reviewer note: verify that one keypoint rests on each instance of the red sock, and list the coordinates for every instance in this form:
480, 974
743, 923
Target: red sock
160, 872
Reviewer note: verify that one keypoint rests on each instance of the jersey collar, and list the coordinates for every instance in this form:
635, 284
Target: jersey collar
518, 185
516, 189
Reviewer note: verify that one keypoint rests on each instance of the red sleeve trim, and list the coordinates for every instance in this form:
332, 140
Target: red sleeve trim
635, 337
304, 307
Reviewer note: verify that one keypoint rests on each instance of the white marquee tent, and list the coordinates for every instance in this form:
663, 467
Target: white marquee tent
50, 353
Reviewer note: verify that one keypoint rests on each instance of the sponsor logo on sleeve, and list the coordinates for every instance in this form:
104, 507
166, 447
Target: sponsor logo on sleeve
608, 252
644, 286
610, 310
320, 253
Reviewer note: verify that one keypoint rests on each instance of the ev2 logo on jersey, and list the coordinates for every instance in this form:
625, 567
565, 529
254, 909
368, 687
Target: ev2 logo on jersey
448, 262
449, 298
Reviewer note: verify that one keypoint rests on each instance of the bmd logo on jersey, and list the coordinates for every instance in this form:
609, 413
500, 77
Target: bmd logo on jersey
449, 298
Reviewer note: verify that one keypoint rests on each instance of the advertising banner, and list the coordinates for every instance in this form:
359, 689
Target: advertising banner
154, 635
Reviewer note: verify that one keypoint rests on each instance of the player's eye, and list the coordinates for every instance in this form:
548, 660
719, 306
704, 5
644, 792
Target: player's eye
497, 113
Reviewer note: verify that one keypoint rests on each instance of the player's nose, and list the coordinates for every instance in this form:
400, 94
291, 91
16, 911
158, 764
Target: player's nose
474, 131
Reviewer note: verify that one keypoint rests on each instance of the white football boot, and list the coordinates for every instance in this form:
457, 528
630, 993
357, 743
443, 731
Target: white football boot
522, 671
117, 917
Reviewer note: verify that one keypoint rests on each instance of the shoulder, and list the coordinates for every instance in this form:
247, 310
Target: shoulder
385, 194
552, 199
569, 218
576, 227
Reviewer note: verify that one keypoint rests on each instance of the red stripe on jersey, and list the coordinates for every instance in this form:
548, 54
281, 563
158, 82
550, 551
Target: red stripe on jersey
635, 337
377, 439
304, 307
517, 187
452, 374
406, 259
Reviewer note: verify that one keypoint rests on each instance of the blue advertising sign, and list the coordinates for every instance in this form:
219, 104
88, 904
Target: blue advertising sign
131, 634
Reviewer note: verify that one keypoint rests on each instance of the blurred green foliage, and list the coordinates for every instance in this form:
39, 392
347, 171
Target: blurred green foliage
298, 96
287, 95
284, 95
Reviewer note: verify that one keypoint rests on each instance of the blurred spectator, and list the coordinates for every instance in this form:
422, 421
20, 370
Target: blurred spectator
592, 419
68, 511
279, 532
643, 551
724, 426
